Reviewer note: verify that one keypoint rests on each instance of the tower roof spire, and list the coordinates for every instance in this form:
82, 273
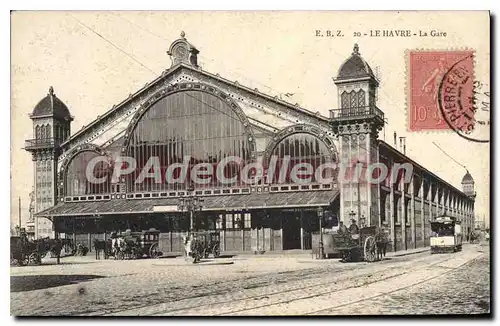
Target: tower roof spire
355, 67
355, 50
51, 105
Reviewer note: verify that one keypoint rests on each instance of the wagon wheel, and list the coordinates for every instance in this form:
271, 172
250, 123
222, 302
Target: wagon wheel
24, 261
33, 259
153, 251
13, 261
216, 251
370, 249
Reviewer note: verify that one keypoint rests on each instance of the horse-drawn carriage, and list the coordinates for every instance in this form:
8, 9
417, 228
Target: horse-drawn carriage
475, 236
130, 245
23, 252
202, 244
31, 252
369, 244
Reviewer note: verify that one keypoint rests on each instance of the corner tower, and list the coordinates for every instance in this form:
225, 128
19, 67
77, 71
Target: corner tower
468, 185
357, 122
51, 127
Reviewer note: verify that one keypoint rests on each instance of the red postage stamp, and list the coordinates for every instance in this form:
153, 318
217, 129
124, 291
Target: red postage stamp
440, 90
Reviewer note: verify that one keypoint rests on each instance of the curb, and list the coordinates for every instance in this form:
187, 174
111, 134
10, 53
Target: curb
401, 254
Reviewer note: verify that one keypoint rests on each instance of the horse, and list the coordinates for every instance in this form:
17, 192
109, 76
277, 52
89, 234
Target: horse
53, 246
120, 248
101, 245
381, 241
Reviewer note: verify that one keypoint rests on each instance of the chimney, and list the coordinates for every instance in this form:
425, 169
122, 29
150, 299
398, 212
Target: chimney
402, 145
395, 141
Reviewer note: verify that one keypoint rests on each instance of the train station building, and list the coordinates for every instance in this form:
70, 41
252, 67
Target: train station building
265, 168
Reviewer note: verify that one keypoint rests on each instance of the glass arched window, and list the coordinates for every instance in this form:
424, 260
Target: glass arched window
77, 183
361, 98
299, 148
353, 99
353, 103
38, 134
345, 100
47, 131
188, 127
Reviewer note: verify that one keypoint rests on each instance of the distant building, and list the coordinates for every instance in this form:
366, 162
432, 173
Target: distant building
188, 111
30, 229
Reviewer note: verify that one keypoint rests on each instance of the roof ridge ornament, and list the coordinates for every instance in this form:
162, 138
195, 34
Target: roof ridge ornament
355, 50
181, 51
51, 91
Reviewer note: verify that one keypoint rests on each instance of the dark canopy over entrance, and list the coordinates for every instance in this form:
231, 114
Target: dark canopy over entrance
229, 202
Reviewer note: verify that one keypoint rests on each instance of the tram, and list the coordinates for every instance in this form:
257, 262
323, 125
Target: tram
446, 235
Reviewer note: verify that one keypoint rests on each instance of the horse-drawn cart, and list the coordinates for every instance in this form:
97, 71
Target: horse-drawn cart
25, 252
199, 245
130, 245
368, 245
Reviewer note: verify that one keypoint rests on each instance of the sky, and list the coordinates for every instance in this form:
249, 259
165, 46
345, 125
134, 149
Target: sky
96, 59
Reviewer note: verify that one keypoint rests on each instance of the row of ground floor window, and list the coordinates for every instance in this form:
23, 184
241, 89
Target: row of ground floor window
268, 230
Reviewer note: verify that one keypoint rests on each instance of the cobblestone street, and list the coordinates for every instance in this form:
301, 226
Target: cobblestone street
256, 285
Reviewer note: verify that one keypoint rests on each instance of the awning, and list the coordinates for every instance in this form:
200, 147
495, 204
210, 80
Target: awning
210, 203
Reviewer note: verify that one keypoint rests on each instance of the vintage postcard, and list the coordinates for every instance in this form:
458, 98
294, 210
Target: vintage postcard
250, 163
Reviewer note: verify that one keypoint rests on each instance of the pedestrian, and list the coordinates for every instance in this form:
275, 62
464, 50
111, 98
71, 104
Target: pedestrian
353, 228
342, 228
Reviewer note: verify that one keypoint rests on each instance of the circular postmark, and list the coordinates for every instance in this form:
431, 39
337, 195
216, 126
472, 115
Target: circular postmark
457, 101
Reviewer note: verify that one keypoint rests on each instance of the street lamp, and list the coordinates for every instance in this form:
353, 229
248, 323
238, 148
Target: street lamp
321, 248
190, 203
352, 214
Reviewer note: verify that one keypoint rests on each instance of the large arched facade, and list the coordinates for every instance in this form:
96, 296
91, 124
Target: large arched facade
75, 172
186, 125
304, 148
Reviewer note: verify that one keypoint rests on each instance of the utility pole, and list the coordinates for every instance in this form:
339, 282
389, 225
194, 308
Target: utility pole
19, 215
321, 247
191, 203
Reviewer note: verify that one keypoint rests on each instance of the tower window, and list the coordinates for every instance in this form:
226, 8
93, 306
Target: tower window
353, 100
361, 99
345, 100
